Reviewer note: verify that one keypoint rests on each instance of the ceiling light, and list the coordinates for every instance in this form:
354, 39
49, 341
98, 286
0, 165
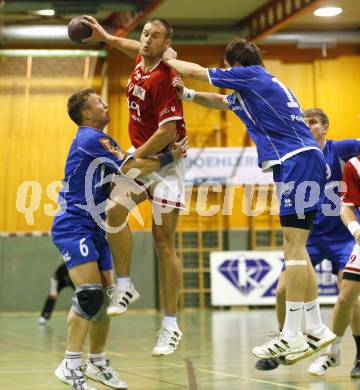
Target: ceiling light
328, 11
45, 12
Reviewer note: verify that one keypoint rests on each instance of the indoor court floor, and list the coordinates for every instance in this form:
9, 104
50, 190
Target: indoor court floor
214, 354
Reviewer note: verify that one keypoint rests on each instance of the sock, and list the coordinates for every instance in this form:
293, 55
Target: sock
335, 346
123, 282
169, 322
312, 316
98, 359
357, 342
292, 324
73, 360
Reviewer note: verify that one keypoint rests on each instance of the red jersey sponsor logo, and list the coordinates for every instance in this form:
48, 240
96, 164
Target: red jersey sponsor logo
152, 101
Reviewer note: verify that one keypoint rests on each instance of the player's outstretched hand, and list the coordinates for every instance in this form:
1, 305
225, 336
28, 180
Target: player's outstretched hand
98, 32
169, 54
178, 84
179, 149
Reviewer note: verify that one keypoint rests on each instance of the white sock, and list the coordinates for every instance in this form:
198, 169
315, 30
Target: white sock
292, 324
73, 360
123, 282
98, 359
170, 322
335, 346
312, 316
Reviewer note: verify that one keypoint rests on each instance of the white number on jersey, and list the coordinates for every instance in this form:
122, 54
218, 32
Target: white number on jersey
291, 103
133, 105
84, 249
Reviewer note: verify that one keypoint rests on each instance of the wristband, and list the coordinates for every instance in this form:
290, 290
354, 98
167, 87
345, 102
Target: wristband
188, 95
165, 158
353, 227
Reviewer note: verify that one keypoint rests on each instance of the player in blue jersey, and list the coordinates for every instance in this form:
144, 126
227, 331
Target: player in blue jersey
275, 122
78, 232
329, 238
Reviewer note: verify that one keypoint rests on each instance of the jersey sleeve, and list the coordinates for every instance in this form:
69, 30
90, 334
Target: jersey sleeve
230, 100
347, 148
167, 106
238, 77
351, 179
107, 150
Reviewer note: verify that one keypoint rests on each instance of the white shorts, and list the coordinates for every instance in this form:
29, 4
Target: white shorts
352, 268
165, 187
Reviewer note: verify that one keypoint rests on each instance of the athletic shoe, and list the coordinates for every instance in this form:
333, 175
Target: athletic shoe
355, 372
106, 375
267, 364
120, 300
168, 341
270, 364
42, 320
281, 346
322, 363
74, 378
316, 342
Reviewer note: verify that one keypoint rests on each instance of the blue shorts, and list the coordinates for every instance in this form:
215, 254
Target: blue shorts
337, 252
80, 241
300, 183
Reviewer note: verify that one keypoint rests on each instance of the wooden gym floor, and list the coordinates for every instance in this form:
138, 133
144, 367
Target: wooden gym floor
214, 354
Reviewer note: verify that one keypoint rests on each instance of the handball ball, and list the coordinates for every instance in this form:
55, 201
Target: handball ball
77, 30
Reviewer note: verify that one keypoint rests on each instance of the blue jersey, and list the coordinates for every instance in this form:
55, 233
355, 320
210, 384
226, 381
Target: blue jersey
331, 228
93, 156
270, 111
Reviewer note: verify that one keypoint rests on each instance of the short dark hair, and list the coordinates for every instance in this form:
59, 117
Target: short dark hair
317, 112
169, 31
77, 103
244, 52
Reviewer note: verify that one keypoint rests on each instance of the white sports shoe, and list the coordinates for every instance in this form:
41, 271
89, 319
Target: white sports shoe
120, 300
74, 378
168, 341
323, 362
316, 342
106, 375
281, 346
42, 320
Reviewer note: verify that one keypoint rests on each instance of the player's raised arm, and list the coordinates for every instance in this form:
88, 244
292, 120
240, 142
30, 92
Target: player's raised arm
151, 164
184, 68
206, 99
130, 47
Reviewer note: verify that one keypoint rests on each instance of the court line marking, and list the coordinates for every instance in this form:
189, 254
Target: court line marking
191, 375
169, 364
275, 383
278, 384
124, 371
117, 354
217, 373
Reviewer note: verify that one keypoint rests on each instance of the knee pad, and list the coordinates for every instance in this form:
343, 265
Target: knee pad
88, 300
102, 315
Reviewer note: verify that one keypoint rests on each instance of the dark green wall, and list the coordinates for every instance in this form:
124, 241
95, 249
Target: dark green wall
27, 263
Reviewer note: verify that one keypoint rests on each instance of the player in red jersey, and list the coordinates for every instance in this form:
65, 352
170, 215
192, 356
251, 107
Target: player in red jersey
156, 121
350, 285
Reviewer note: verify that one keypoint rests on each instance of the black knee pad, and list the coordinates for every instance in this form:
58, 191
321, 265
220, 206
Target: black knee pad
88, 300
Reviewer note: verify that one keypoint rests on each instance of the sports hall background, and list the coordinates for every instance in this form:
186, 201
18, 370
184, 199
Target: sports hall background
317, 59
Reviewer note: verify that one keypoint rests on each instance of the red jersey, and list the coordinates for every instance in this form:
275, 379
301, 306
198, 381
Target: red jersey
152, 101
351, 177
